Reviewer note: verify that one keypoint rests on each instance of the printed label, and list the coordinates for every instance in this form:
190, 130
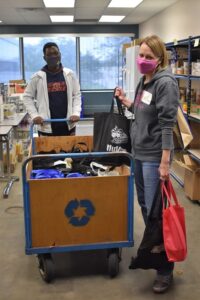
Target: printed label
146, 97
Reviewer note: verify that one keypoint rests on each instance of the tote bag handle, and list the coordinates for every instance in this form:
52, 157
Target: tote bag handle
119, 104
169, 190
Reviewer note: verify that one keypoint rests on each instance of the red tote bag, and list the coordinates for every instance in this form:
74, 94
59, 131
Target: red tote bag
174, 230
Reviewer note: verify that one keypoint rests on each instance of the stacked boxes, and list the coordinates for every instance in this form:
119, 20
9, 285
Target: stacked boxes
16, 86
191, 176
196, 68
16, 154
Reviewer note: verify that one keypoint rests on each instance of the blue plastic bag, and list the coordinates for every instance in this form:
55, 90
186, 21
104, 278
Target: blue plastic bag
46, 173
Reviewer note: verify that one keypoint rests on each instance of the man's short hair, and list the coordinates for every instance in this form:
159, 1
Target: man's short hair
48, 45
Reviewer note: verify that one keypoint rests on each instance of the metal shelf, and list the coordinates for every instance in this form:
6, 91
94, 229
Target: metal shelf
178, 179
178, 173
181, 76
178, 43
195, 154
192, 77
194, 117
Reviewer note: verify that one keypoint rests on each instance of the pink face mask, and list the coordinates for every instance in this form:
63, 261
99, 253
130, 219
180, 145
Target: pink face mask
146, 66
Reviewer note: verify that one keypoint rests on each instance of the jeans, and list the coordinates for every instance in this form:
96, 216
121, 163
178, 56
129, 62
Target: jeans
146, 180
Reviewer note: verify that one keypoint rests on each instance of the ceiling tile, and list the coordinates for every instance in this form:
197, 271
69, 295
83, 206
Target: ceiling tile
34, 12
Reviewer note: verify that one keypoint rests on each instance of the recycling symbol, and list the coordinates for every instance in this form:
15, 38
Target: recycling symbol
79, 212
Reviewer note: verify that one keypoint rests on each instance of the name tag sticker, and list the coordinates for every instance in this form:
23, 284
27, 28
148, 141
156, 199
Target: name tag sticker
146, 97
196, 42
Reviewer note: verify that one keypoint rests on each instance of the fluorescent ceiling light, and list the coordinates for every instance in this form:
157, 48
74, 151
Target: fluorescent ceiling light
106, 18
0, 21
59, 3
124, 3
62, 18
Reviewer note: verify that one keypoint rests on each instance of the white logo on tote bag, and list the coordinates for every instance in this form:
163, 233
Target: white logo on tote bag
118, 136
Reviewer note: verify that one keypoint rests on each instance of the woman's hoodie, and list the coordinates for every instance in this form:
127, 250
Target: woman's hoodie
155, 108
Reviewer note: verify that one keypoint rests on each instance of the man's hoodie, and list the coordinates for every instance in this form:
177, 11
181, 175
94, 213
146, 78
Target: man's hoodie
36, 98
155, 108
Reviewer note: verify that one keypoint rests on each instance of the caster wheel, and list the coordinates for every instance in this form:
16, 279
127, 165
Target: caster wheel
113, 264
46, 267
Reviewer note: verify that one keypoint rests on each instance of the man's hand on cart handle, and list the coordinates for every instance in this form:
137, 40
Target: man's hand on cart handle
38, 120
74, 118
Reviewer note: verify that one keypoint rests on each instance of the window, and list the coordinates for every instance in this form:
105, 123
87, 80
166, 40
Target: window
101, 62
9, 60
33, 53
100, 59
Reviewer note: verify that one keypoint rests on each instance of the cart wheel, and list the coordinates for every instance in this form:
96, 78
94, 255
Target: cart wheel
46, 267
113, 264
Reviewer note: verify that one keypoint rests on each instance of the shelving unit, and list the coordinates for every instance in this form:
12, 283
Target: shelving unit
188, 81
178, 172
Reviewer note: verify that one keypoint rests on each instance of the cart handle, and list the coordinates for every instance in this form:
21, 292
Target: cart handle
52, 121
57, 120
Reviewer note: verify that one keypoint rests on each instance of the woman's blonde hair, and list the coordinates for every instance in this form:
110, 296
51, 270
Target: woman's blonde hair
158, 48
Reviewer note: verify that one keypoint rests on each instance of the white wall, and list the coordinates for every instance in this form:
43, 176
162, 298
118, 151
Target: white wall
176, 22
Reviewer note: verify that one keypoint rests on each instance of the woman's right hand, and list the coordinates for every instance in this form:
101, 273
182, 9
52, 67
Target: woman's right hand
121, 96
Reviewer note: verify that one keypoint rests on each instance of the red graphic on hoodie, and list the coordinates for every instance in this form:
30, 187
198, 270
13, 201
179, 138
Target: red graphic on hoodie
138, 103
59, 86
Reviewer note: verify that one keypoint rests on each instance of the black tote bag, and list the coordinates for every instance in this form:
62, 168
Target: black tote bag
111, 130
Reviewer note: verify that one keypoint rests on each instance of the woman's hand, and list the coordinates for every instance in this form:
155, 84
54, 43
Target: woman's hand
164, 170
121, 96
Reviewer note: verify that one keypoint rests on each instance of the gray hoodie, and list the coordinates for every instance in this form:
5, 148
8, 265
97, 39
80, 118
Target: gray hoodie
155, 108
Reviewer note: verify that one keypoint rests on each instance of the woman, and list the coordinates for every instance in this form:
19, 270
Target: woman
155, 109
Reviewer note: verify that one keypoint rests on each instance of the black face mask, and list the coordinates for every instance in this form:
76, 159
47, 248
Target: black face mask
53, 61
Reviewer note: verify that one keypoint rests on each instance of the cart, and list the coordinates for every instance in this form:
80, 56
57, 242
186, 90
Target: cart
73, 214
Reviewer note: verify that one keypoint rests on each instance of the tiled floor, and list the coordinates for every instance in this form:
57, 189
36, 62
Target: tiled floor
83, 275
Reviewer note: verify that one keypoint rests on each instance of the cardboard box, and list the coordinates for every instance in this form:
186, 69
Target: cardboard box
191, 178
17, 86
125, 46
20, 88
137, 42
192, 184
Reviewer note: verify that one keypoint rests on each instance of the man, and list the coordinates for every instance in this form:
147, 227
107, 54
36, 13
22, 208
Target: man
53, 93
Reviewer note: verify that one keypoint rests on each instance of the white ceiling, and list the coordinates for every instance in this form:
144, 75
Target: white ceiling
33, 12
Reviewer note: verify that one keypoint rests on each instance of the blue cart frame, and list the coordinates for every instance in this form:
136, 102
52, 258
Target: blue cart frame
44, 253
